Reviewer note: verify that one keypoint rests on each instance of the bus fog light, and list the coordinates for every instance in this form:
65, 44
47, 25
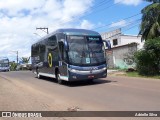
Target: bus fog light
74, 77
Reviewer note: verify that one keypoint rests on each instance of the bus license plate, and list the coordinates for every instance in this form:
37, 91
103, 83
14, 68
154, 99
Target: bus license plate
91, 76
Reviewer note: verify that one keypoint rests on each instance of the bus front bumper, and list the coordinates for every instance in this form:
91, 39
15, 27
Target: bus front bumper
76, 75
4, 69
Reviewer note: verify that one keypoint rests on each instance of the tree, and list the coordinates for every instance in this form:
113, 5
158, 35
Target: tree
13, 66
148, 59
150, 25
154, 1
25, 59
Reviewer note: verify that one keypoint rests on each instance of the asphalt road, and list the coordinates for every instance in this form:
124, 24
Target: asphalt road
110, 94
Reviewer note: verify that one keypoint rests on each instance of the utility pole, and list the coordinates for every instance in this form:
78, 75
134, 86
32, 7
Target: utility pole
17, 57
43, 29
16, 54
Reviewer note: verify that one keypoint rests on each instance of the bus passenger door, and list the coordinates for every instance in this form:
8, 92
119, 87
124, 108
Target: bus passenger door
62, 61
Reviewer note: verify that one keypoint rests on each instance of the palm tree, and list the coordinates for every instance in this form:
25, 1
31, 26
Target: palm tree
25, 59
150, 26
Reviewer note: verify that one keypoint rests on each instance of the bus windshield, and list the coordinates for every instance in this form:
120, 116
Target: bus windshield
4, 63
86, 50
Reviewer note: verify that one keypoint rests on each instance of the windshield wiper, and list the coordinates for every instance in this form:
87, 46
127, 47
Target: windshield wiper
94, 54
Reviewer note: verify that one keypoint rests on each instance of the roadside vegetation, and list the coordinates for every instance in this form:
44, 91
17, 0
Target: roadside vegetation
13, 66
124, 72
136, 74
25, 60
148, 59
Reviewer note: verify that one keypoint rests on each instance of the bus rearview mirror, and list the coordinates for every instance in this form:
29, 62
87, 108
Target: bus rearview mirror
107, 44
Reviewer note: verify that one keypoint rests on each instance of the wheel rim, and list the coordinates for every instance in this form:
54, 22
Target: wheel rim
38, 76
59, 80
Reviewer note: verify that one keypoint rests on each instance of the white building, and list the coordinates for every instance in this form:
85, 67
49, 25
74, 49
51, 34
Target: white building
122, 48
117, 39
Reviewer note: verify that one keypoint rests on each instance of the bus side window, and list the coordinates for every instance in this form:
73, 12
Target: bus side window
35, 53
42, 51
60, 36
35, 50
52, 41
60, 44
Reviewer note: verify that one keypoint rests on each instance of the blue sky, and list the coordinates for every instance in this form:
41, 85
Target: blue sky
19, 19
113, 13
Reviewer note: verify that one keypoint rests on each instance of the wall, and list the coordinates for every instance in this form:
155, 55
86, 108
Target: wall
126, 39
122, 56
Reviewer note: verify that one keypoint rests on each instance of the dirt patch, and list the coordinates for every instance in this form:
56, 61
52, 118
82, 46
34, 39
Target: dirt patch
117, 73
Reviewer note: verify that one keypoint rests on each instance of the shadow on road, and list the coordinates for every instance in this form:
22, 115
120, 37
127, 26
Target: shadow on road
87, 83
79, 83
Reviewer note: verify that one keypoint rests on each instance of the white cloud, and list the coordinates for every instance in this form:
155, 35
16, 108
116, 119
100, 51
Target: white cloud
119, 24
129, 2
12, 7
85, 24
19, 19
74, 7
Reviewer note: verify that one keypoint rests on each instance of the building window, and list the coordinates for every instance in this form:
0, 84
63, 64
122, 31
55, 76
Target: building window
115, 42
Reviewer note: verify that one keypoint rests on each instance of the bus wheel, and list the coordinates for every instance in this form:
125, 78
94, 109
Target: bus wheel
37, 73
59, 79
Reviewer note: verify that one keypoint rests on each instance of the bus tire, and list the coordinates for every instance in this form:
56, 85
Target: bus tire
37, 73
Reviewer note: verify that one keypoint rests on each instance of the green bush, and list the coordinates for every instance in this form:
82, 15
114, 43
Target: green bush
148, 59
13, 66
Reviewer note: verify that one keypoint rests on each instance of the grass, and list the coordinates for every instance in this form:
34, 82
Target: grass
135, 74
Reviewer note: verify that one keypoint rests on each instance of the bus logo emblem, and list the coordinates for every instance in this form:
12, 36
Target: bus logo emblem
50, 60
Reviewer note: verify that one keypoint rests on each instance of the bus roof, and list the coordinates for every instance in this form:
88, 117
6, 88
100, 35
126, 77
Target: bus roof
71, 31
3, 58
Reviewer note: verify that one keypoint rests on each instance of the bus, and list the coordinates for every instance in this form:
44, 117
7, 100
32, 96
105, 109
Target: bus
4, 64
70, 55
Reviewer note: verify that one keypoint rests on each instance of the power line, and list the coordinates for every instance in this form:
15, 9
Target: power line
123, 31
94, 7
127, 25
132, 27
137, 22
88, 14
130, 23
117, 22
102, 9
101, 4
